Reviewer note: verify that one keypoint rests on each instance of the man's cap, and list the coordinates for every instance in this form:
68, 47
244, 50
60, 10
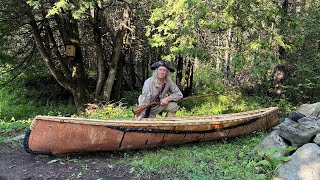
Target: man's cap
162, 63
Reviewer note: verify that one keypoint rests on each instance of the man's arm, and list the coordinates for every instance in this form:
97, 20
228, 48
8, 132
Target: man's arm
176, 94
145, 97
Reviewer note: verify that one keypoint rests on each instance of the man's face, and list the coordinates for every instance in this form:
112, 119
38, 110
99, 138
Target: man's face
162, 72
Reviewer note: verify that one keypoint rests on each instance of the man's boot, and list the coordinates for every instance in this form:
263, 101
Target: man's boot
171, 114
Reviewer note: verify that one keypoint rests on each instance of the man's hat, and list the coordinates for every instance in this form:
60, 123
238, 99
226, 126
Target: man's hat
162, 63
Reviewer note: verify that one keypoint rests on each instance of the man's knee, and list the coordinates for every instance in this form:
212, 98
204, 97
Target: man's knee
172, 107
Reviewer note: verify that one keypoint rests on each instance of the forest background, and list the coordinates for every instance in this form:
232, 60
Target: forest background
252, 54
259, 48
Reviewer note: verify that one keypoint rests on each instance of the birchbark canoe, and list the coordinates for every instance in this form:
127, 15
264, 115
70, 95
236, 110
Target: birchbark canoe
60, 135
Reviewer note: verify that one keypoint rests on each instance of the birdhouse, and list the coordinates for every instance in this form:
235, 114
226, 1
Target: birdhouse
70, 50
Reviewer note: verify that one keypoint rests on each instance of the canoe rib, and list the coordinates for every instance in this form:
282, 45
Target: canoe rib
58, 135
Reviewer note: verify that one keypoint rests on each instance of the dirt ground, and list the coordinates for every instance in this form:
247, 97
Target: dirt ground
16, 164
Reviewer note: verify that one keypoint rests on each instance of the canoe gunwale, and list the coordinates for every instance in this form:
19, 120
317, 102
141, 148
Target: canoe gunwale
235, 118
143, 130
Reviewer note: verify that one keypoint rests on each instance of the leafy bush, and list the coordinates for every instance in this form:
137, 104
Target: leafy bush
207, 80
301, 86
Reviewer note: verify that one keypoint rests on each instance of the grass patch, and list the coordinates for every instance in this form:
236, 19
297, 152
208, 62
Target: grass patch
12, 128
223, 159
15, 105
231, 103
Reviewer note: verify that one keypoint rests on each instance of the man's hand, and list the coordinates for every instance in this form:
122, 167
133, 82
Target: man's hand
164, 101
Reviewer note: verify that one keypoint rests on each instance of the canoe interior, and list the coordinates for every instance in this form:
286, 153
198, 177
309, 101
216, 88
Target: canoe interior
59, 135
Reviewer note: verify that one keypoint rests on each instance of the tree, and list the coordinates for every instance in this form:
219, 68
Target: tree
61, 24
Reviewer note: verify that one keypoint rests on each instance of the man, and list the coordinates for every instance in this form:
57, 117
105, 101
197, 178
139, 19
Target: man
160, 87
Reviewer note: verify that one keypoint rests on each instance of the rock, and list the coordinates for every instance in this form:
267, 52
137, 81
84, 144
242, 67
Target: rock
288, 121
295, 115
310, 109
301, 132
17, 138
273, 140
304, 164
317, 139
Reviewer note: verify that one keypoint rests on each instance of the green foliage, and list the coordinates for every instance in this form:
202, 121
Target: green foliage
266, 163
174, 22
207, 79
78, 8
107, 111
19, 103
303, 77
14, 125
12, 128
182, 25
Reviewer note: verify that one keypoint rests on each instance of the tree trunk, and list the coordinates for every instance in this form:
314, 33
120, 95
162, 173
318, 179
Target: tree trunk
132, 70
116, 90
279, 71
118, 43
101, 65
188, 78
179, 71
227, 54
76, 83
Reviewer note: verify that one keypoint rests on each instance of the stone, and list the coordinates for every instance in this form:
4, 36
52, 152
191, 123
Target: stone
295, 115
301, 132
17, 138
304, 164
288, 121
310, 109
317, 139
273, 140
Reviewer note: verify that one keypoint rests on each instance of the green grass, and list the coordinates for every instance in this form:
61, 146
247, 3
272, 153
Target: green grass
223, 159
15, 105
12, 128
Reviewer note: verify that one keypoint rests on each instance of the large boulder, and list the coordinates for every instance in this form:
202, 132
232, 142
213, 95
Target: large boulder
304, 164
310, 109
273, 140
301, 132
317, 139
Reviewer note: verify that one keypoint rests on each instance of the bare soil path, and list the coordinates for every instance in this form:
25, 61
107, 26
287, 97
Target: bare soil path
17, 164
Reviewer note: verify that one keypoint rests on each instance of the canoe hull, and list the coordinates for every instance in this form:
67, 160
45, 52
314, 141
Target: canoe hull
54, 135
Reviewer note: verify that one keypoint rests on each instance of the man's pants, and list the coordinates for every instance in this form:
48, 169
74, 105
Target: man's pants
171, 108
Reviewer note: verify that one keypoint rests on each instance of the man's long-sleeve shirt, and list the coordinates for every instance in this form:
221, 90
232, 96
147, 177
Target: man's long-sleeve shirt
151, 89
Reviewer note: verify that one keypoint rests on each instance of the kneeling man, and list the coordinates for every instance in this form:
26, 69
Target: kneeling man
160, 87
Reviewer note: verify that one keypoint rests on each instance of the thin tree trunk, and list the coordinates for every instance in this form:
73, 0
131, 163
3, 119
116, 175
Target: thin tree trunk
179, 71
118, 43
188, 78
132, 68
226, 63
116, 90
101, 65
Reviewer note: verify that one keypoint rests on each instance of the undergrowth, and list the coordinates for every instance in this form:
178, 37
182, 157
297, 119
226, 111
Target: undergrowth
16, 104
